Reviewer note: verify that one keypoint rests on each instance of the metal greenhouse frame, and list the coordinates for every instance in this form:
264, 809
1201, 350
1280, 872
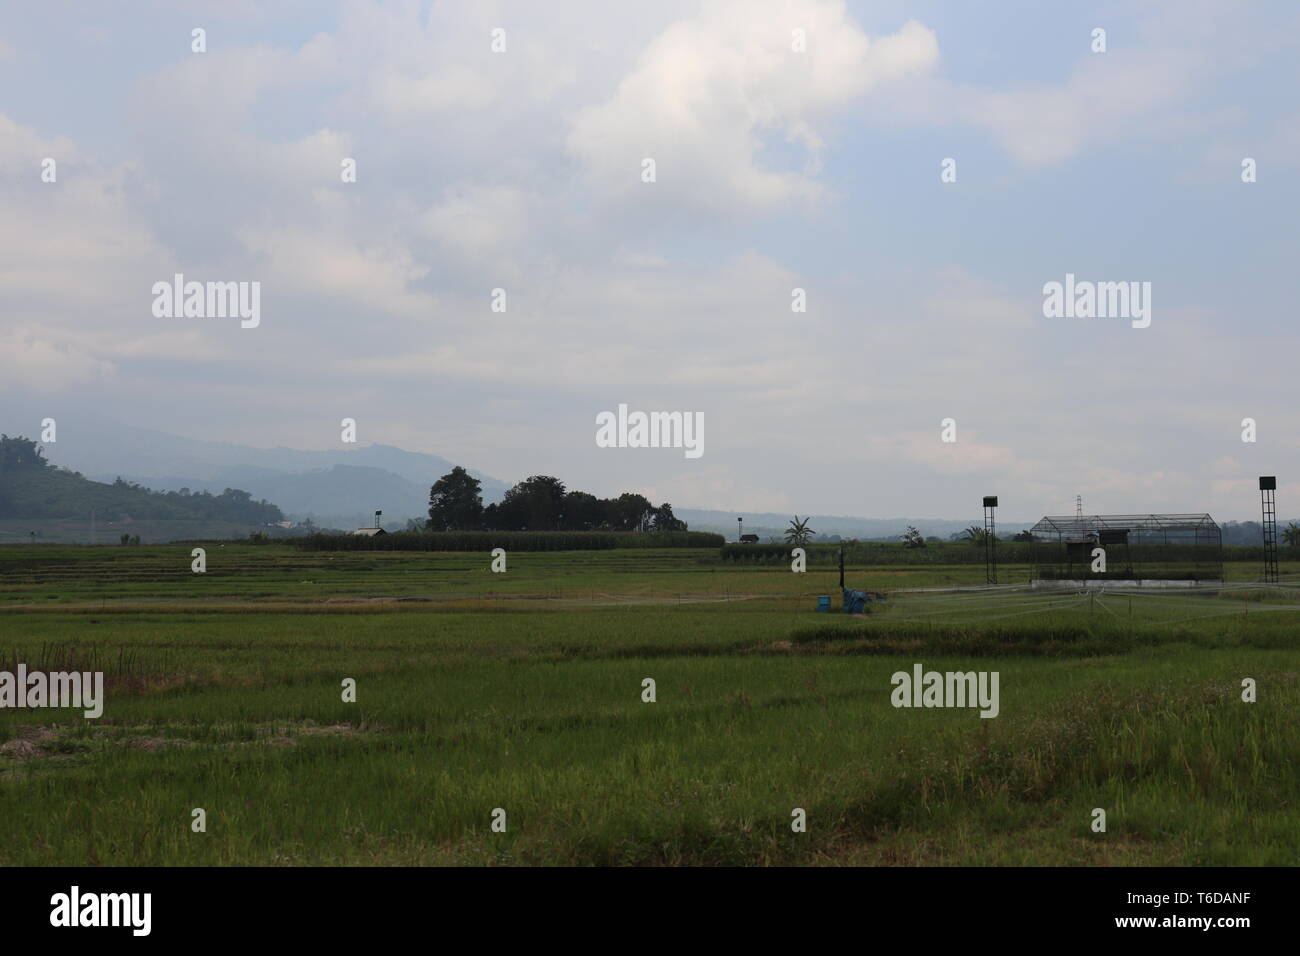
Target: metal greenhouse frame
1138, 548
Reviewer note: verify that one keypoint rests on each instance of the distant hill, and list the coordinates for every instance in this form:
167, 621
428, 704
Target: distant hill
337, 488
769, 524
345, 496
34, 491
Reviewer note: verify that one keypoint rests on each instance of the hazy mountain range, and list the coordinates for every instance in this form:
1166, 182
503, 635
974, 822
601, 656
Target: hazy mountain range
767, 525
343, 488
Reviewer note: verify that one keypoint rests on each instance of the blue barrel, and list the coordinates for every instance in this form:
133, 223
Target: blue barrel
823, 604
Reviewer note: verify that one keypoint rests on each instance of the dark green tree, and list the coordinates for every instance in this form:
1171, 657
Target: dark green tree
455, 503
583, 512
535, 504
665, 520
19, 452
630, 512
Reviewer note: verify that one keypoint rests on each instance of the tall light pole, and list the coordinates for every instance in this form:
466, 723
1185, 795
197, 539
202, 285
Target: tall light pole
377, 514
990, 540
1268, 506
740, 527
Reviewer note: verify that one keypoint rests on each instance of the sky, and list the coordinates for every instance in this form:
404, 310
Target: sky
797, 144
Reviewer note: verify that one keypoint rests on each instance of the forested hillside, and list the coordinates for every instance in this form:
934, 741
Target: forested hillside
30, 487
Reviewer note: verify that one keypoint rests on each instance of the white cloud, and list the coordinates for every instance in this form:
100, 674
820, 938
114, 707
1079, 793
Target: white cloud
707, 90
454, 87
1104, 97
75, 264
41, 360
327, 264
477, 223
617, 326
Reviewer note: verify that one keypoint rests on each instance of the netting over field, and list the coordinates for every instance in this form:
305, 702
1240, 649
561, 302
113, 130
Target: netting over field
1185, 547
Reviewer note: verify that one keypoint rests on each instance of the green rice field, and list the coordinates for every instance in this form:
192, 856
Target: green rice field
523, 692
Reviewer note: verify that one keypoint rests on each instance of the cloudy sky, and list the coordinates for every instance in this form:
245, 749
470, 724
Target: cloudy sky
775, 168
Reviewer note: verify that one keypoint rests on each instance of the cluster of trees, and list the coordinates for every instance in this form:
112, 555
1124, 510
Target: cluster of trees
20, 453
540, 503
976, 535
972, 535
231, 505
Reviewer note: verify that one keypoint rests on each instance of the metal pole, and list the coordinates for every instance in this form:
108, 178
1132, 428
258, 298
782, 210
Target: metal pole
1268, 506
990, 541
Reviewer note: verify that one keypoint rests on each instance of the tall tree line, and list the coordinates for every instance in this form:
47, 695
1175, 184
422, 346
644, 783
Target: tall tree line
540, 503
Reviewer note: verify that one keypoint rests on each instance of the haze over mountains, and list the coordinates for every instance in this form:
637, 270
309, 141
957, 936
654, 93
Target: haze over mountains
337, 488
768, 524
342, 488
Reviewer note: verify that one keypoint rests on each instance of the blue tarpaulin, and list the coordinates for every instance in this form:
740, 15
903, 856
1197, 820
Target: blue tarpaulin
855, 602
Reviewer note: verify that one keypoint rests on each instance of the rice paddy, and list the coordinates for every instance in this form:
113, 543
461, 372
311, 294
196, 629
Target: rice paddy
524, 692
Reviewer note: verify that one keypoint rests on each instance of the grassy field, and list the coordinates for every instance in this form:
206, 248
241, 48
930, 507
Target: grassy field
523, 691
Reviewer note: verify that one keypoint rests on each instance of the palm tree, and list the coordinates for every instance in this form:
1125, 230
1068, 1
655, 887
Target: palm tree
1291, 535
798, 532
975, 534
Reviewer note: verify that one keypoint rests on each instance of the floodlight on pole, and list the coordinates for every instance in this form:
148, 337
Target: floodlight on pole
990, 540
1268, 508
